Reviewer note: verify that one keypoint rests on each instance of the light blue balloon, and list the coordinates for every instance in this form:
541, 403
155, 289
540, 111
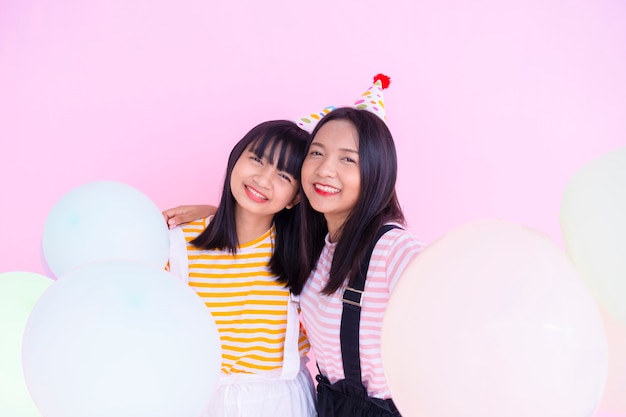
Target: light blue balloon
104, 220
120, 338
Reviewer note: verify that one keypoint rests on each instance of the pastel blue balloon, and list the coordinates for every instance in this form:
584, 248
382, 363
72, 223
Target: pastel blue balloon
104, 220
120, 338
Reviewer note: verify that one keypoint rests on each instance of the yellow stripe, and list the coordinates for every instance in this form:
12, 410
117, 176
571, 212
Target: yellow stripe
218, 285
253, 330
250, 312
241, 371
251, 357
259, 239
229, 266
254, 366
231, 257
256, 339
235, 275
190, 247
263, 293
196, 227
262, 321
253, 349
241, 303
200, 222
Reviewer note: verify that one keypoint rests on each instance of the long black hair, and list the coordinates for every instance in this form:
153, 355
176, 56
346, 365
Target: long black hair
285, 143
376, 205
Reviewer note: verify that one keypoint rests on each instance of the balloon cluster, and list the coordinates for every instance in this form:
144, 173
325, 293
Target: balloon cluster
501, 322
116, 334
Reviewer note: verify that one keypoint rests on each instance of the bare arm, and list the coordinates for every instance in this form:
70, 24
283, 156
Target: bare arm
185, 214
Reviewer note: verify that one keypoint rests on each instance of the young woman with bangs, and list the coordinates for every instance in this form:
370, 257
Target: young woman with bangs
239, 261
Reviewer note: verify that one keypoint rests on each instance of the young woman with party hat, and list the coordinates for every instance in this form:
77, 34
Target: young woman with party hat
354, 252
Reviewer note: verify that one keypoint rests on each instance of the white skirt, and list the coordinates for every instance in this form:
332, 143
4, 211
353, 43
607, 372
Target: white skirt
248, 395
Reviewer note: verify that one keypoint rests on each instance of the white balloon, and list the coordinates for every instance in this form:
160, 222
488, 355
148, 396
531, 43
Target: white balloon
104, 220
492, 320
119, 338
593, 222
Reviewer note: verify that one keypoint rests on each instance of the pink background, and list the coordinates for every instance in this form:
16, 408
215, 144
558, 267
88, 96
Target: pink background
493, 104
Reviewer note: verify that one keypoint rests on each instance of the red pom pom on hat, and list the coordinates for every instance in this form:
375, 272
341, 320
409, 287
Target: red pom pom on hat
384, 80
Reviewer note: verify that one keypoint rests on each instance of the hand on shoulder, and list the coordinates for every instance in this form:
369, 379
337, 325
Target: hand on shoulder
187, 213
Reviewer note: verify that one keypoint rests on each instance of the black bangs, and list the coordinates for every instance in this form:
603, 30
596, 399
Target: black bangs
289, 156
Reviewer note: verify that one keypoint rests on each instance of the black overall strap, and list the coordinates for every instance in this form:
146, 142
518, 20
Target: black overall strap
351, 315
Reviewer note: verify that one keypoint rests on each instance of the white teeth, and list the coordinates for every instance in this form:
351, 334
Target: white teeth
256, 194
326, 188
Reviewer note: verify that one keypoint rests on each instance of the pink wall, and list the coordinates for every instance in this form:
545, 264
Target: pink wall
493, 104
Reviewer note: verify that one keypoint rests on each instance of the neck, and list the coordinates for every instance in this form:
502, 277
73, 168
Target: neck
334, 230
251, 227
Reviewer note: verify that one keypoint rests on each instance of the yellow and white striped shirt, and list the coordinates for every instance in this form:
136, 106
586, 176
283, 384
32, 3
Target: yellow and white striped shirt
248, 304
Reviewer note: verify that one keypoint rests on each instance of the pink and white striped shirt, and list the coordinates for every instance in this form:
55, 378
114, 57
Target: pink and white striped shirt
321, 313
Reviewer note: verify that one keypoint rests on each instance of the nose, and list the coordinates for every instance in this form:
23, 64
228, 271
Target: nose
264, 176
326, 168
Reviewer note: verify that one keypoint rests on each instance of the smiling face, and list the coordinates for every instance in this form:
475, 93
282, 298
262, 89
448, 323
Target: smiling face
331, 177
261, 189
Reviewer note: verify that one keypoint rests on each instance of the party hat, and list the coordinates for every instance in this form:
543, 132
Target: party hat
371, 100
309, 121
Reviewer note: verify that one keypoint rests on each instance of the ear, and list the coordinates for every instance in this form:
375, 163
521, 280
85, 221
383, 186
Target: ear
293, 203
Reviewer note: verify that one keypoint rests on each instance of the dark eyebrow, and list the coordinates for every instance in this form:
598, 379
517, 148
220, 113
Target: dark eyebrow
255, 153
319, 145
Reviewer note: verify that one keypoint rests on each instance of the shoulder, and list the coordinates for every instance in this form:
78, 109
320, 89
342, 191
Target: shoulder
393, 252
400, 239
192, 229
